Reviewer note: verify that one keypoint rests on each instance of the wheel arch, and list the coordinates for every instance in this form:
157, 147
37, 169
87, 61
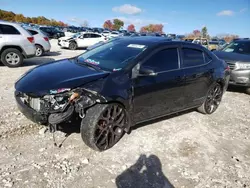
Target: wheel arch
11, 46
36, 44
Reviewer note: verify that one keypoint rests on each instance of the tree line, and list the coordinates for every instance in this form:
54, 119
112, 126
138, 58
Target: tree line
20, 18
204, 34
117, 24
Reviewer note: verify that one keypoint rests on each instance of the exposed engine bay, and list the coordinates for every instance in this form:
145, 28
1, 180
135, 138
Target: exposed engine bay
61, 104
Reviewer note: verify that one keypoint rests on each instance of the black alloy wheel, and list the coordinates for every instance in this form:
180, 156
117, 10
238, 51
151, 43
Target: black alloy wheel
103, 126
213, 100
110, 127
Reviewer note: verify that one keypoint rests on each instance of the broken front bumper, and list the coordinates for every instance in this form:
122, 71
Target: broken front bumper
29, 112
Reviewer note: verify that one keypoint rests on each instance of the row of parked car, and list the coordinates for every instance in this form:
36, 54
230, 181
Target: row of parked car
18, 42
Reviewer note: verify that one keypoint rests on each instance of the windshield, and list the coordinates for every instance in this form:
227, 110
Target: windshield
76, 35
238, 47
112, 56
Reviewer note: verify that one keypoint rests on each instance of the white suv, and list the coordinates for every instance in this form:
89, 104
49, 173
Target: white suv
41, 41
15, 44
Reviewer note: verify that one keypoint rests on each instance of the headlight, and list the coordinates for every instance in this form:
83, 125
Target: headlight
240, 65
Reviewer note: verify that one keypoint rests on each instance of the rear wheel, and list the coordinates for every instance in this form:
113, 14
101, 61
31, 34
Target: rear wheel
72, 46
39, 50
212, 101
103, 126
12, 57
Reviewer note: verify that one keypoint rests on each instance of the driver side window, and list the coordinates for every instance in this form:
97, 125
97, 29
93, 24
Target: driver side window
163, 60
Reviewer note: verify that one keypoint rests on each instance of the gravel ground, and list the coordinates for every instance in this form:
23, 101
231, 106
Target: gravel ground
185, 150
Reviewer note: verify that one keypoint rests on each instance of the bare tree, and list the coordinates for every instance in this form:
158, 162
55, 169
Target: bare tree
85, 23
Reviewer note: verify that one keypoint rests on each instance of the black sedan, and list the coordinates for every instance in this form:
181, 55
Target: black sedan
52, 32
122, 83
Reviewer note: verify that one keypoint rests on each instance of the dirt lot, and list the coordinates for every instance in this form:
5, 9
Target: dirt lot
185, 150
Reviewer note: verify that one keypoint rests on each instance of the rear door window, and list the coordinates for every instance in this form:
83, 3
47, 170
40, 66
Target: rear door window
8, 30
192, 57
207, 58
163, 60
95, 36
33, 32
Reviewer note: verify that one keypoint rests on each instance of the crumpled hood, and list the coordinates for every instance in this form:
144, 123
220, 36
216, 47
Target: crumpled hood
56, 75
232, 57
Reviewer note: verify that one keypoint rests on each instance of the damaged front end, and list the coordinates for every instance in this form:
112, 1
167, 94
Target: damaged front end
57, 106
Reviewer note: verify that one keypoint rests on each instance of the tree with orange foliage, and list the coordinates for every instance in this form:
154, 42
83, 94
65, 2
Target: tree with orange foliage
131, 27
108, 24
197, 33
158, 28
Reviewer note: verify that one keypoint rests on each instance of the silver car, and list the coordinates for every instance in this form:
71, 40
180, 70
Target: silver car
15, 44
41, 41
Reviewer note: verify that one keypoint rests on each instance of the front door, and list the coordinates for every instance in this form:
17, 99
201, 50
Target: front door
84, 40
163, 93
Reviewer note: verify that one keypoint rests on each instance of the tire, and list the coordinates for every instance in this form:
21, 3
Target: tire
72, 46
248, 90
97, 129
12, 53
39, 50
213, 99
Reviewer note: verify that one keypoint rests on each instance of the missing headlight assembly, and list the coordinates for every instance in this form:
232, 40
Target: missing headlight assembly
59, 105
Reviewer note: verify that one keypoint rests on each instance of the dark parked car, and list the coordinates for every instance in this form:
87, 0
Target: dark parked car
237, 55
52, 32
122, 83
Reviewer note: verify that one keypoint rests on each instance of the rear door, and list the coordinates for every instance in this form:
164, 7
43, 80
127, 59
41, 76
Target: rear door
161, 94
95, 38
10, 35
198, 70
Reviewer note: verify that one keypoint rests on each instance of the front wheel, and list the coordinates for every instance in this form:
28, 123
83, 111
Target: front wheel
103, 126
213, 100
72, 46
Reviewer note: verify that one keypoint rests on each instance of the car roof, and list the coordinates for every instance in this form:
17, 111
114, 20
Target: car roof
9, 23
241, 40
153, 40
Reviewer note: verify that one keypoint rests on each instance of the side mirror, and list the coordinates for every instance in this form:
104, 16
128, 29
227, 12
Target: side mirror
147, 72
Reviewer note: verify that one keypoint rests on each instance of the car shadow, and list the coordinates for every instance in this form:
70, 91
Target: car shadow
236, 89
37, 61
145, 173
57, 53
74, 126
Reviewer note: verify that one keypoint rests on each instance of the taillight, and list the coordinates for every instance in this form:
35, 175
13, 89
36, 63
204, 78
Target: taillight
46, 38
31, 39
